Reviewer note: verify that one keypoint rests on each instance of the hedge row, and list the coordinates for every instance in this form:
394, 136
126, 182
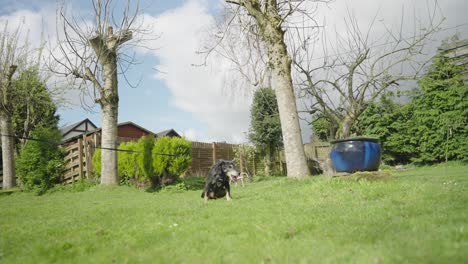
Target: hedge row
150, 159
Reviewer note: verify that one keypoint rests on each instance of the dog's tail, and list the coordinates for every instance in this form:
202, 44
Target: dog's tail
203, 194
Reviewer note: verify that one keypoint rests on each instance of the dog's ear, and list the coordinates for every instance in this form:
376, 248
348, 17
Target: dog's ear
233, 163
217, 169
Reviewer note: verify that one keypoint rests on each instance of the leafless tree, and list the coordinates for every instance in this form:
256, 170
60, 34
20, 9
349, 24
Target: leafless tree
264, 23
13, 56
360, 69
92, 54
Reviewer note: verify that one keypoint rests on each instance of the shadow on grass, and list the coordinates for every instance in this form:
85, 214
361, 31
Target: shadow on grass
9, 191
190, 183
366, 176
79, 186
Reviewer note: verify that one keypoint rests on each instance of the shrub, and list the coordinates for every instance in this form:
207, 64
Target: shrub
171, 156
127, 162
145, 159
97, 163
141, 162
40, 163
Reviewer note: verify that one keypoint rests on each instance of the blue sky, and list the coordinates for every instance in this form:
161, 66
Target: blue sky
194, 100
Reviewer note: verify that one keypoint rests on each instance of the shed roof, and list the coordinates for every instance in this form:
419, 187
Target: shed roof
67, 129
168, 133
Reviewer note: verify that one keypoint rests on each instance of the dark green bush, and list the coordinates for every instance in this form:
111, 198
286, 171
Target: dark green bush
40, 163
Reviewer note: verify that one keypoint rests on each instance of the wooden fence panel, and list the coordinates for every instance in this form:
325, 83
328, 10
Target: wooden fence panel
317, 151
204, 155
78, 160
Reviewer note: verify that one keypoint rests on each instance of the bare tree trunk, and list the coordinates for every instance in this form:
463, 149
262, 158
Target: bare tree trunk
109, 143
110, 108
346, 126
8, 150
282, 83
268, 18
6, 128
333, 132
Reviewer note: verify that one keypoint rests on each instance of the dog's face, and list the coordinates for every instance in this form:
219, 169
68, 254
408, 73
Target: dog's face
230, 169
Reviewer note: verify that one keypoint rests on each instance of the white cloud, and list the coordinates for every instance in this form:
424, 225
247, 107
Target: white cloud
198, 90
190, 134
38, 30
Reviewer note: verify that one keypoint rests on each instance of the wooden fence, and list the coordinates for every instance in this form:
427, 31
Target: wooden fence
205, 155
317, 150
79, 158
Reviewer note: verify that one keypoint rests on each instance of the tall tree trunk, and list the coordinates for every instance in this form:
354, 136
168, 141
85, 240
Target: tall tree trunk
269, 21
346, 126
109, 173
280, 63
110, 109
6, 128
8, 150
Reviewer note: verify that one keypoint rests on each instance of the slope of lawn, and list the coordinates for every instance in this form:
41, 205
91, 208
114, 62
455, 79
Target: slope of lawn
414, 216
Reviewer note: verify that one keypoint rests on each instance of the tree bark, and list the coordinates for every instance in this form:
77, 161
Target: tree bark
109, 173
348, 122
269, 21
6, 128
110, 107
280, 64
8, 150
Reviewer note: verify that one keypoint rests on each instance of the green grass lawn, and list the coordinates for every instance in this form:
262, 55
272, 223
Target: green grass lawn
415, 216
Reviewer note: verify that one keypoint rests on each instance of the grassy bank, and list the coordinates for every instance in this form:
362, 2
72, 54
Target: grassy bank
414, 216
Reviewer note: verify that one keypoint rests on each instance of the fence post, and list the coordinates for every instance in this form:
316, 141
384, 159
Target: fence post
80, 159
88, 156
199, 163
213, 146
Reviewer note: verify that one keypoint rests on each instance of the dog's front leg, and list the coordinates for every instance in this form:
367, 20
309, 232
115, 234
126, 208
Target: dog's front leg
206, 197
228, 193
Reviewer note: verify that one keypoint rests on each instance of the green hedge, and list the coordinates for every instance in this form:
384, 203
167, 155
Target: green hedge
171, 156
150, 159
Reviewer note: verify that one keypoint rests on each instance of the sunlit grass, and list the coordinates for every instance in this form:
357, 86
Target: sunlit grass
414, 216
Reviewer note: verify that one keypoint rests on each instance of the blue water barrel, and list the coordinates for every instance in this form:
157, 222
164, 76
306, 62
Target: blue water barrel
355, 154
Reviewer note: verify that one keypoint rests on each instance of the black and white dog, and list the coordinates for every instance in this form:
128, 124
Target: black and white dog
217, 181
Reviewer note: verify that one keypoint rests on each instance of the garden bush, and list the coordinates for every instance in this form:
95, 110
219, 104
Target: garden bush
171, 157
145, 157
127, 162
141, 163
97, 163
41, 163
